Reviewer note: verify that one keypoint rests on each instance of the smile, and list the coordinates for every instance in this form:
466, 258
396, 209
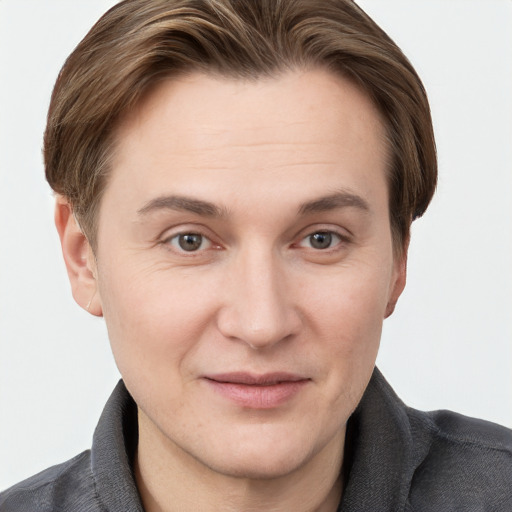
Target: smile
257, 391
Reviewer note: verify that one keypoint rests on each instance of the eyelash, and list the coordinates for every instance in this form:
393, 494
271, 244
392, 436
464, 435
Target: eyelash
173, 242
321, 235
168, 242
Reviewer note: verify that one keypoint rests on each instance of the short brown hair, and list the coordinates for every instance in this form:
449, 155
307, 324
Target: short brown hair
138, 42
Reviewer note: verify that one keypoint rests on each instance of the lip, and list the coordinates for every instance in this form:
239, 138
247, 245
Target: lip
253, 391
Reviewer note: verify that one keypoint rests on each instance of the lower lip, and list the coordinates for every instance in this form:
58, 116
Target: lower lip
258, 397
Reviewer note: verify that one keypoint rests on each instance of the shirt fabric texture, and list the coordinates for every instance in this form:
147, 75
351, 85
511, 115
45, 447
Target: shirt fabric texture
397, 459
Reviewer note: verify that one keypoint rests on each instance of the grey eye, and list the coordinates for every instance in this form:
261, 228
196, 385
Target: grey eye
190, 241
321, 240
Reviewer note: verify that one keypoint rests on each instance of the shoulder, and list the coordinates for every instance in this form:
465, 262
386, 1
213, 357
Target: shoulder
67, 486
468, 463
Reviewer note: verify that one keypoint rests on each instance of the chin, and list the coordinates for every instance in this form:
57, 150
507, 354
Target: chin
267, 465
259, 453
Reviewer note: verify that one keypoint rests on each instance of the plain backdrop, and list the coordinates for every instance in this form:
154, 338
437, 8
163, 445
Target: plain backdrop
449, 343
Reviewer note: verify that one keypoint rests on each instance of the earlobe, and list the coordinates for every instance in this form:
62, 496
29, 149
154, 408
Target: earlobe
78, 257
399, 280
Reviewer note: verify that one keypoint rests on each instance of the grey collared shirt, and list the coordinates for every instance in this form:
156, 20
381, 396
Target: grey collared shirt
397, 460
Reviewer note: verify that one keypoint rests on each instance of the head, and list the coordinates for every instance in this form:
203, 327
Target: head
137, 43
243, 176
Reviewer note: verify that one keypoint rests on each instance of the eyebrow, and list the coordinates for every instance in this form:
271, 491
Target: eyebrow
182, 203
207, 209
341, 199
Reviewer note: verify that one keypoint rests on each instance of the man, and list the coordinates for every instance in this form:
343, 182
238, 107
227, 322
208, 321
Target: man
236, 183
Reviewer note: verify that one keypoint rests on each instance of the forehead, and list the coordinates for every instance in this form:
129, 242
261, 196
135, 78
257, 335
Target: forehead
211, 102
202, 129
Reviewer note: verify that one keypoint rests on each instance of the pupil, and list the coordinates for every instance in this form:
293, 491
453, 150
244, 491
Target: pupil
321, 240
190, 242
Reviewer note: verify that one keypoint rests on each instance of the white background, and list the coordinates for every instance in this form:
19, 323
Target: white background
448, 345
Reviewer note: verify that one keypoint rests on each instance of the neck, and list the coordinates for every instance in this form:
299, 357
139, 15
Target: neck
169, 480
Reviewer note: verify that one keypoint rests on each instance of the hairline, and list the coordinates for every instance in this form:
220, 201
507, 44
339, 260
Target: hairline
90, 226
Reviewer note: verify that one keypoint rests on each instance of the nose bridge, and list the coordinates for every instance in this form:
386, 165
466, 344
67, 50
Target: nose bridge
259, 310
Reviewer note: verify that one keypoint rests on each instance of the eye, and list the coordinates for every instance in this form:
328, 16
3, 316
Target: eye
189, 242
321, 240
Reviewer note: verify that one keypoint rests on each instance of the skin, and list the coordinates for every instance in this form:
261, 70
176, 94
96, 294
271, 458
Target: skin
257, 295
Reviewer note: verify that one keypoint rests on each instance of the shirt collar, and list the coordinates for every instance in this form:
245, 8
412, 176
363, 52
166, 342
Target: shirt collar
114, 444
382, 452
383, 449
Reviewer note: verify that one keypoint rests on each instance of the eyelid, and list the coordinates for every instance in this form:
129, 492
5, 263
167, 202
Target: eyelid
183, 229
164, 239
304, 243
204, 241
343, 233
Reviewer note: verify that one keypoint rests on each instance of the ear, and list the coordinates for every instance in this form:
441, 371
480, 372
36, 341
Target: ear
79, 258
399, 279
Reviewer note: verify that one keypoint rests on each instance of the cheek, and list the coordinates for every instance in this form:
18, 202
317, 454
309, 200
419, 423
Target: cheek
155, 320
350, 303
347, 314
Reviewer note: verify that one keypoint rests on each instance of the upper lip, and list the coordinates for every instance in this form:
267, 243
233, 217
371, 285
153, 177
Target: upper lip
253, 379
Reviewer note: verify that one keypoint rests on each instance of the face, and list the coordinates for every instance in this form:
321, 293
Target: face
245, 265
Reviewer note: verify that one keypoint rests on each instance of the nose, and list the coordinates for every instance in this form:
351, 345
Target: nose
259, 307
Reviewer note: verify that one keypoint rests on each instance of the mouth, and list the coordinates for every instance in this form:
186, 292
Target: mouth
253, 391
